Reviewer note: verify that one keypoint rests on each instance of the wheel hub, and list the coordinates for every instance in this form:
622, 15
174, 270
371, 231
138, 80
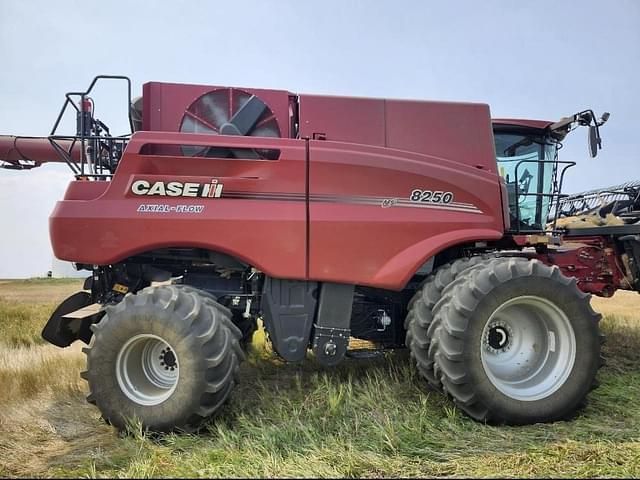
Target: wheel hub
168, 359
147, 369
498, 337
529, 348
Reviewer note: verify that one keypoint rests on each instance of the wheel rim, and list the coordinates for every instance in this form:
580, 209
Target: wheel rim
528, 348
147, 369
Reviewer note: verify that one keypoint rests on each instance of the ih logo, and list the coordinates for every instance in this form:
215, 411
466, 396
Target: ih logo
177, 189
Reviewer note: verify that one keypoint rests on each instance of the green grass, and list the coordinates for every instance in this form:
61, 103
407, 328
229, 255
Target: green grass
378, 420
362, 419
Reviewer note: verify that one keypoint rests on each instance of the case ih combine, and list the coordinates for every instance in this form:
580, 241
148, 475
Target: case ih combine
335, 220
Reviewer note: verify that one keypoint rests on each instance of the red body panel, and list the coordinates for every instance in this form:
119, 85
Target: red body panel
455, 131
336, 210
343, 119
269, 234
384, 242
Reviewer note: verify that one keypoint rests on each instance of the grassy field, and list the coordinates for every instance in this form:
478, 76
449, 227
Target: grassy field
363, 419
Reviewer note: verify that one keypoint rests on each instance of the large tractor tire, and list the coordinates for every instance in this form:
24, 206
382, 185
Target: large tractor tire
167, 356
247, 326
515, 341
420, 316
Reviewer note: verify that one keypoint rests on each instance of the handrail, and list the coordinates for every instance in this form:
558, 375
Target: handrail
93, 138
555, 194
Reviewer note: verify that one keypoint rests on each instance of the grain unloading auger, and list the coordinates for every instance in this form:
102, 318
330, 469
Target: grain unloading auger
24, 153
348, 225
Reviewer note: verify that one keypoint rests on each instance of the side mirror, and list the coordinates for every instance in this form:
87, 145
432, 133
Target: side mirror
594, 141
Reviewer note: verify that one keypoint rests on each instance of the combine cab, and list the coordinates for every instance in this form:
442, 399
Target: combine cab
348, 225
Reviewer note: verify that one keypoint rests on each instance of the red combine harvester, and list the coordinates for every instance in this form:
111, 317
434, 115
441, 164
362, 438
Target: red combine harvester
348, 225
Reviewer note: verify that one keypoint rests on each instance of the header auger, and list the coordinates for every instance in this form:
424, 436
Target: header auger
336, 220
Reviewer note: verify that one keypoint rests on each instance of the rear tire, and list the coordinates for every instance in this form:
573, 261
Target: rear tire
516, 342
167, 356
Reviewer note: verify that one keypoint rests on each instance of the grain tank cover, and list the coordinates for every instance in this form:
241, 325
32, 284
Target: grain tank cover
457, 131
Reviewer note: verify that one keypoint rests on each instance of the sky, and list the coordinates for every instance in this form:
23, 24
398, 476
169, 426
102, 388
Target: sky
541, 60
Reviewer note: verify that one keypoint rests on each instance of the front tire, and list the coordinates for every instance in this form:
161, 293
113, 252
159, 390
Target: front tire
166, 356
516, 342
420, 317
